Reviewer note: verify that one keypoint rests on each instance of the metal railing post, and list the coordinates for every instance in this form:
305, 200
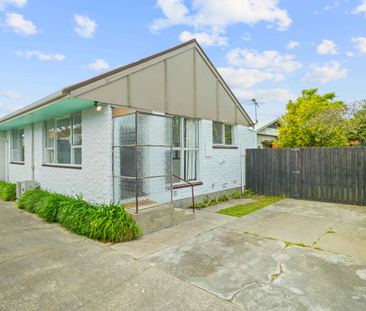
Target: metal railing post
191, 186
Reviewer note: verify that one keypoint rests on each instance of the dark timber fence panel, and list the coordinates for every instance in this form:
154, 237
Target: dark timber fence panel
335, 174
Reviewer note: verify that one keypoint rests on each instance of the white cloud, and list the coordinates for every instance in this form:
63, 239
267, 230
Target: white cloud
266, 96
292, 44
4, 110
20, 25
86, 27
330, 71
360, 44
349, 54
329, 7
246, 36
244, 78
272, 60
14, 95
211, 16
360, 9
41, 56
204, 38
327, 47
16, 3
99, 64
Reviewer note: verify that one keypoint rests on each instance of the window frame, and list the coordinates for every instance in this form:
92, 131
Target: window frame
19, 145
54, 148
182, 150
223, 138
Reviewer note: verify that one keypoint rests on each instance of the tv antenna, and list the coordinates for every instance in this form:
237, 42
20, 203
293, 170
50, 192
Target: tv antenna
256, 106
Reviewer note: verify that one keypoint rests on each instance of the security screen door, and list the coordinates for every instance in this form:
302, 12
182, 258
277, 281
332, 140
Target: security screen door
142, 160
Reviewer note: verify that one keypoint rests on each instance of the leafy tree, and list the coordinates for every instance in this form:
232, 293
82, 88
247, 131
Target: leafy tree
308, 122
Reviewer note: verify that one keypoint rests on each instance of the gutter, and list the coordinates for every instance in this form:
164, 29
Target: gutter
33, 106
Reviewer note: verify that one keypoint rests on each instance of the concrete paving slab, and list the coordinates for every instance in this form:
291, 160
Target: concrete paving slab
64, 277
20, 243
153, 290
348, 239
221, 261
311, 280
218, 219
218, 207
156, 241
284, 226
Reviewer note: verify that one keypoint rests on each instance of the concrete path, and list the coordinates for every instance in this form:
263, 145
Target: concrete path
215, 262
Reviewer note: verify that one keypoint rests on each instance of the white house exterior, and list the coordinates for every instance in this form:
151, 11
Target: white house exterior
65, 144
267, 131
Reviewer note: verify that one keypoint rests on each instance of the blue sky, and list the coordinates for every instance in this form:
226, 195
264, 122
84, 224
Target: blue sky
265, 49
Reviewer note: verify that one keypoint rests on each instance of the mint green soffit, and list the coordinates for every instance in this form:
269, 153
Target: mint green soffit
52, 111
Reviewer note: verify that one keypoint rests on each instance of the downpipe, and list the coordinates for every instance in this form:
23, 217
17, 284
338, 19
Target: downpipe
32, 151
6, 158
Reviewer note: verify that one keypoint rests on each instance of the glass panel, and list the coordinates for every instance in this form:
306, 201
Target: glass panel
50, 142
190, 133
62, 132
50, 156
124, 161
76, 130
154, 130
15, 139
217, 133
21, 138
190, 165
15, 155
176, 165
151, 191
228, 134
176, 132
124, 130
77, 155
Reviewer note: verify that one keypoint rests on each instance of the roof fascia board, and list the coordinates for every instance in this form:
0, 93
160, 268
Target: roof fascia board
223, 83
125, 73
49, 100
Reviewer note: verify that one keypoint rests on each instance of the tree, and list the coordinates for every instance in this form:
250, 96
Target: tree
307, 122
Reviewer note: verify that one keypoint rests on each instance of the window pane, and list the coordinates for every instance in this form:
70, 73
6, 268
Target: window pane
50, 156
62, 132
217, 133
77, 156
50, 142
190, 133
228, 134
21, 139
77, 130
15, 155
176, 165
190, 165
15, 140
176, 132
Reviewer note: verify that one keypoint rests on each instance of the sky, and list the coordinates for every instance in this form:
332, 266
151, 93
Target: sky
269, 50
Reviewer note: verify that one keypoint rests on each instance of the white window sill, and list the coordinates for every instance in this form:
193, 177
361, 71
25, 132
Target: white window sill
76, 167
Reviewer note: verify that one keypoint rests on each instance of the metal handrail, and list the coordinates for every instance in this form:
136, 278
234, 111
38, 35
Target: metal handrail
191, 186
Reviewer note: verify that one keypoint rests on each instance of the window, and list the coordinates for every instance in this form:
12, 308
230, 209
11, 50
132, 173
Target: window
222, 134
64, 140
185, 149
18, 145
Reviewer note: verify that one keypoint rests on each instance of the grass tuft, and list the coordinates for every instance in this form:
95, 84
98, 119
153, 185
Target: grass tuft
7, 191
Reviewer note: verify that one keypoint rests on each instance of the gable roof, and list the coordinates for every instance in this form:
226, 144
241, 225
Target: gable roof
62, 97
265, 123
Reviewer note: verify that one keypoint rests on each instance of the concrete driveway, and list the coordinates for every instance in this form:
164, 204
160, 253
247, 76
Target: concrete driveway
214, 262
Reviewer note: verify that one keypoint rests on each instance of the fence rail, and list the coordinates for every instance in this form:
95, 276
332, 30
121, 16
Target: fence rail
334, 174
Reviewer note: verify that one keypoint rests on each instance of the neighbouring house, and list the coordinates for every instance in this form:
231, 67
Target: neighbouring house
121, 136
267, 131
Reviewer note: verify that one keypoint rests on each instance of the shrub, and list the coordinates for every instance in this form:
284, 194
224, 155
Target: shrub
107, 223
7, 191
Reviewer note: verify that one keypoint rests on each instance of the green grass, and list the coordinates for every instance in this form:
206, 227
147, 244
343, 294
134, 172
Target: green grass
242, 210
7, 191
105, 222
330, 231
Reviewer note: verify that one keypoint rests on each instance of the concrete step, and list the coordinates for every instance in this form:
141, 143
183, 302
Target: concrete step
157, 218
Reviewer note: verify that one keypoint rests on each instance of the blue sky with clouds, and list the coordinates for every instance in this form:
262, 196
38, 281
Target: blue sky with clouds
264, 49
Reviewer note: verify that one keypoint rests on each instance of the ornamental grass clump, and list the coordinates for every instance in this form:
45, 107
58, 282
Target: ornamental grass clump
7, 191
106, 223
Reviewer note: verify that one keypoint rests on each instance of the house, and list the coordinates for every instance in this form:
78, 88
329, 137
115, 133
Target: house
121, 135
267, 132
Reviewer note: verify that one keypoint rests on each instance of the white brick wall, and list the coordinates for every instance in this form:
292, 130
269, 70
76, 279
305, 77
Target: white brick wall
223, 170
2, 156
94, 180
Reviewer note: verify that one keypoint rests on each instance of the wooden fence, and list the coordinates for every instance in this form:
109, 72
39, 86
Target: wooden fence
336, 174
